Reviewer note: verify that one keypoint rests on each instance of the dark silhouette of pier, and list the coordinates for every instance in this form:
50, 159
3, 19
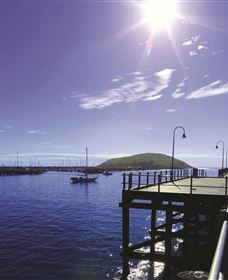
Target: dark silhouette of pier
188, 198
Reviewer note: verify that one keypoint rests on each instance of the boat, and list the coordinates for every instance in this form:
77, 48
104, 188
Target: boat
106, 172
77, 179
83, 179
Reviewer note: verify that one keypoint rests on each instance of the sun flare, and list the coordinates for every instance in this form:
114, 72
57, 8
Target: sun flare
159, 14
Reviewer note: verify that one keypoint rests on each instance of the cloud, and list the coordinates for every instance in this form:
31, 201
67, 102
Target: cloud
38, 132
206, 76
191, 41
213, 89
2, 131
117, 78
217, 52
148, 128
136, 73
192, 53
187, 43
195, 44
170, 110
139, 88
202, 47
179, 92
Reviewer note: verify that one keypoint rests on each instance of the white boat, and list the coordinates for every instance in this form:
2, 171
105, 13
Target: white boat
83, 179
106, 172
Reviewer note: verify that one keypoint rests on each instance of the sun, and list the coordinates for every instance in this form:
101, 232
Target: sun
159, 14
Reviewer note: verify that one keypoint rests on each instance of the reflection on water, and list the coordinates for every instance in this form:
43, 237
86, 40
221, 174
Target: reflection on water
143, 270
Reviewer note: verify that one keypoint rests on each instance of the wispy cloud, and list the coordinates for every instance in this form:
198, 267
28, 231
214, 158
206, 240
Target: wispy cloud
187, 43
2, 130
136, 73
38, 132
202, 47
195, 45
191, 41
217, 52
117, 79
170, 110
212, 89
179, 92
140, 88
192, 53
148, 128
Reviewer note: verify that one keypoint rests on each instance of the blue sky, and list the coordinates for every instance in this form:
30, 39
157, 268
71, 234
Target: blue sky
76, 74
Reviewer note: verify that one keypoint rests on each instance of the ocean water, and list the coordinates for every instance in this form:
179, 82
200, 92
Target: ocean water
51, 229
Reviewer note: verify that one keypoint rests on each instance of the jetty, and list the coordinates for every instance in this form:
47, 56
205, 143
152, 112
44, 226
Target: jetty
20, 170
189, 199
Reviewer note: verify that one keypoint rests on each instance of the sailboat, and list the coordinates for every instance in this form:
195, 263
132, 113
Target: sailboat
85, 179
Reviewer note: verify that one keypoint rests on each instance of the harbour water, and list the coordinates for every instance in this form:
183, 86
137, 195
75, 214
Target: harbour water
51, 229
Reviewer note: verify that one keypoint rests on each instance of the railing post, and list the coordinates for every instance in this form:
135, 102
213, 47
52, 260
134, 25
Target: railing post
147, 178
166, 175
154, 177
226, 186
124, 181
129, 181
139, 180
159, 182
191, 179
161, 175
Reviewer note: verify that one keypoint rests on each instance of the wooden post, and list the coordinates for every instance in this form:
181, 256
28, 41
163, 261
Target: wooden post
159, 182
161, 176
125, 233
191, 179
226, 186
147, 179
168, 233
154, 177
139, 180
129, 181
153, 228
166, 175
124, 181
186, 226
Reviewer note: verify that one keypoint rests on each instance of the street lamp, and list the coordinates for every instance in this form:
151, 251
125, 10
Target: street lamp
223, 146
183, 136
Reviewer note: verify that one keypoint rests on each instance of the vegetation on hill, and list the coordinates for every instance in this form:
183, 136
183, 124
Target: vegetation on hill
144, 162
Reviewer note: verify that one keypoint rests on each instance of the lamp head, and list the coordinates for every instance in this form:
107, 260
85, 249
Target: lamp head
184, 136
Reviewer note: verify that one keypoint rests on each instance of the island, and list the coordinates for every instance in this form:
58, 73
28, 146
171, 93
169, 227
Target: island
146, 161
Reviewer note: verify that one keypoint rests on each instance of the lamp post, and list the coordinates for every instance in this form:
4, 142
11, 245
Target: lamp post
183, 136
223, 147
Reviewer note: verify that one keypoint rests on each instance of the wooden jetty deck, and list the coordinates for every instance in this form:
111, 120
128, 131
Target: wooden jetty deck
188, 198
195, 186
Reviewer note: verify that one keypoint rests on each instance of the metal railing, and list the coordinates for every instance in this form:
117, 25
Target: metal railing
143, 180
136, 181
216, 271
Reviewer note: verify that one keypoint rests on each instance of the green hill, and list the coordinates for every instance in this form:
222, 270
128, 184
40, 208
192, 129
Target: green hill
143, 162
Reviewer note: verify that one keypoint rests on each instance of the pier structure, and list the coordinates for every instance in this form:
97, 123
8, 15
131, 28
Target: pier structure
190, 200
